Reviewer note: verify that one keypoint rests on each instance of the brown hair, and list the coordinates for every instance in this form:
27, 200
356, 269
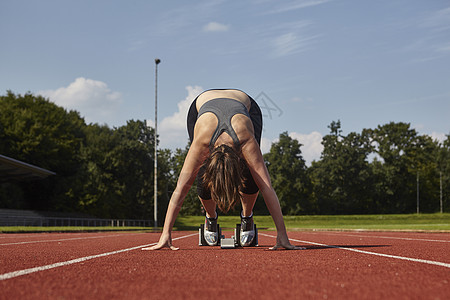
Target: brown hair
223, 177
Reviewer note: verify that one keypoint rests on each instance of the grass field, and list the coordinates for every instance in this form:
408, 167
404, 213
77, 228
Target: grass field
345, 222
413, 222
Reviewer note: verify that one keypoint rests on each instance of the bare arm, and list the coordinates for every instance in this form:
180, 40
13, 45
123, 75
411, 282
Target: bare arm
194, 159
255, 162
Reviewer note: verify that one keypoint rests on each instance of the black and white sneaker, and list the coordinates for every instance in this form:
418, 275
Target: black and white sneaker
247, 233
211, 232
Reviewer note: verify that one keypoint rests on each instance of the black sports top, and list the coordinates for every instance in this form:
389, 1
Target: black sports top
224, 109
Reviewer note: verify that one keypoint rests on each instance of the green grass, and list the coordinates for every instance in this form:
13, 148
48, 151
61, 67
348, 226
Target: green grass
414, 222
345, 222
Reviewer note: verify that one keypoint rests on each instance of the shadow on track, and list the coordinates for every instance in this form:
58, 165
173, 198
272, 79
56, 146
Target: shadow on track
266, 248
318, 247
342, 246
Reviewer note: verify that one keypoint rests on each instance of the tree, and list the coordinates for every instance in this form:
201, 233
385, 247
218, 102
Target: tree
405, 156
287, 169
108, 172
95, 187
38, 132
119, 165
342, 178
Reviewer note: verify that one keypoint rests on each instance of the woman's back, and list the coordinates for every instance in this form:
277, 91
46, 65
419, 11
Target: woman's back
241, 124
231, 94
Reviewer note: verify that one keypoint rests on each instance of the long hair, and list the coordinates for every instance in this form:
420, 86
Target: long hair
223, 177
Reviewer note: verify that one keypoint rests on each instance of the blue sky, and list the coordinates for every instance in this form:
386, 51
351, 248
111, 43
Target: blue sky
308, 62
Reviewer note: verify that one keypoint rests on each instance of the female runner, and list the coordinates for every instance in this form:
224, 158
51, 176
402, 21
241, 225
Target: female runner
224, 127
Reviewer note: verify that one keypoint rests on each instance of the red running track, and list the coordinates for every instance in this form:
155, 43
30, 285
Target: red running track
335, 265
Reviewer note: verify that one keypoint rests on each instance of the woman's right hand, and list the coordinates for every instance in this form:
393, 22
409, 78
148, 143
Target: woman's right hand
165, 241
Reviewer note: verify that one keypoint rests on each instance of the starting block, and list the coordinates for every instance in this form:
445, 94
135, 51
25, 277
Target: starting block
229, 243
226, 243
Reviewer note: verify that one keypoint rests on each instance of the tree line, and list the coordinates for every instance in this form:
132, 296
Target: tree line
108, 172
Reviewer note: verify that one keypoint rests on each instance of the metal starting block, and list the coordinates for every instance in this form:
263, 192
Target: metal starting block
226, 243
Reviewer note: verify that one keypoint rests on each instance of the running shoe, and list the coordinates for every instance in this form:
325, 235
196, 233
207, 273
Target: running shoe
247, 233
211, 233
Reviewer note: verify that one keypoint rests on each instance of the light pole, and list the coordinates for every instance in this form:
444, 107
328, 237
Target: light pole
440, 191
418, 194
155, 197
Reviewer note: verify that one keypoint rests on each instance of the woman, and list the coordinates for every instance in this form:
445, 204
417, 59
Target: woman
225, 130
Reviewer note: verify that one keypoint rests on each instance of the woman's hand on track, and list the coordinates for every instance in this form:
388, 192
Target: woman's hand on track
283, 242
165, 241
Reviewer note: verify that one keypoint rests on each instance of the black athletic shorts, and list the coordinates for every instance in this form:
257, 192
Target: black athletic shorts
250, 186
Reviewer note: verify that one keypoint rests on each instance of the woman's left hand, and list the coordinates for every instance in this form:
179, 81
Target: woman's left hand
283, 242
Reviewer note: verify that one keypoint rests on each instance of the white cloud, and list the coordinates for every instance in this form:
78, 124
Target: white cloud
433, 42
292, 37
291, 43
287, 6
215, 27
172, 130
150, 123
265, 145
286, 44
439, 136
438, 20
418, 127
443, 48
312, 145
92, 98
172, 21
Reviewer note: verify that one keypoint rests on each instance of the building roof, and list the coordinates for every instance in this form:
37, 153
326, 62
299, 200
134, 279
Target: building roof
16, 170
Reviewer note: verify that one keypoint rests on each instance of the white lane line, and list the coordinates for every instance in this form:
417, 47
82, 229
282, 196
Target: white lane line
71, 239
52, 234
16, 235
74, 261
430, 262
386, 237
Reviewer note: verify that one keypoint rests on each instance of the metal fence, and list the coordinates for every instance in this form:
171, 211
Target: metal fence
61, 222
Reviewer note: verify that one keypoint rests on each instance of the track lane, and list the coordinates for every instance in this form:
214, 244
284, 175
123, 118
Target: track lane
419, 246
352, 248
73, 261
62, 239
30, 255
196, 272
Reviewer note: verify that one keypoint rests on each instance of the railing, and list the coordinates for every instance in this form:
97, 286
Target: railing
62, 222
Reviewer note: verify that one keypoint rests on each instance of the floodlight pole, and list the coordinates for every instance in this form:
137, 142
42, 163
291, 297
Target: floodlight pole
440, 191
155, 197
418, 197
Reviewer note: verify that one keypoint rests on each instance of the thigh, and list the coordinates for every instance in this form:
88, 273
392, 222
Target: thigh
250, 186
202, 191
